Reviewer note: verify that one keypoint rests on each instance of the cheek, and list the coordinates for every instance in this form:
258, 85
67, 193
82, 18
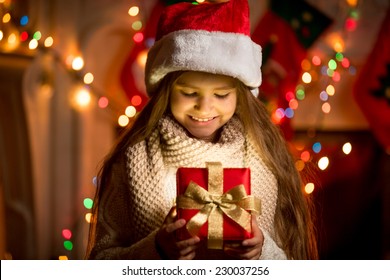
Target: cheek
174, 103
231, 106
178, 105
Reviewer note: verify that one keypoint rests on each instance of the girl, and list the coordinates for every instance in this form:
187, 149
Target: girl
202, 108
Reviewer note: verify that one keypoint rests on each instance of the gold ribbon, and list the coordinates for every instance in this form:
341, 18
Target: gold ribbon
235, 203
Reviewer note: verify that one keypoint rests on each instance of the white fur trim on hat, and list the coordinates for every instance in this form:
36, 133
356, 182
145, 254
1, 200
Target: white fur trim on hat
215, 52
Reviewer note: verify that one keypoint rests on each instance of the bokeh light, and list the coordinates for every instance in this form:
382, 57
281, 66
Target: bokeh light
123, 120
138, 37
293, 104
324, 96
316, 60
299, 165
347, 148
66, 233
323, 163
305, 156
88, 217
332, 64
330, 90
306, 78
136, 100
88, 203
326, 108
48, 42
68, 245
88, 78
300, 94
130, 111
317, 147
77, 63
33, 44
134, 11
24, 20
309, 188
103, 102
37, 35
136, 25
81, 98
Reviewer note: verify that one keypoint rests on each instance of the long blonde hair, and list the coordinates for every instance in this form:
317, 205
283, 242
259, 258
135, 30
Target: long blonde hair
293, 218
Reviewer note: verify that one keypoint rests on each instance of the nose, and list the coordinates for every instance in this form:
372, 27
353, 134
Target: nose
204, 104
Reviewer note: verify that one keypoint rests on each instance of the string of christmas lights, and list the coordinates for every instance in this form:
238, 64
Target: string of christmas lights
326, 71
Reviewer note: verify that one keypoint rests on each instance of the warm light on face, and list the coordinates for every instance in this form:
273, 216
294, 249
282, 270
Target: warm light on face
202, 103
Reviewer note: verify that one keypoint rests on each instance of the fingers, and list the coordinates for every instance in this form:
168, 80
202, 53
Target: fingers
171, 216
258, 237
253, 245
190, 256
171, 227
188, 246
167, 243
251, 255
250, 248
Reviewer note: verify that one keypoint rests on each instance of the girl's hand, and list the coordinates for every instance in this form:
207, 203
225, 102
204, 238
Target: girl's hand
167, 243
249, 249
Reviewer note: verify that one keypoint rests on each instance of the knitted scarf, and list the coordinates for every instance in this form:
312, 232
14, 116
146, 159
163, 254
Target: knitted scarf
152, 164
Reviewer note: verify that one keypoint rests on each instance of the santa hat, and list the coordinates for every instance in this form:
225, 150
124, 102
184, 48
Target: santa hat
213, 38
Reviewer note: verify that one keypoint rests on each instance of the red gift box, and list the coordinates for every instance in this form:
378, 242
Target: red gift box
216, 203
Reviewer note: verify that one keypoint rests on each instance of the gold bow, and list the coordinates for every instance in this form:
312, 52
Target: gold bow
235, 203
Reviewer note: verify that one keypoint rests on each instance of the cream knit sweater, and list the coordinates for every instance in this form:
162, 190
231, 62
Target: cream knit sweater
142, 190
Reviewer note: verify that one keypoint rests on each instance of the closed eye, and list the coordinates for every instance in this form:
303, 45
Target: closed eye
189, 94
222, 95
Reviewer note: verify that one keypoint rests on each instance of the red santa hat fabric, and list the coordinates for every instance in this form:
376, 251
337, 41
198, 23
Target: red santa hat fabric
213, 38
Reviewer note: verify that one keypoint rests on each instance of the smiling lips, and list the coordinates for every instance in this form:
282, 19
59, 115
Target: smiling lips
202, 119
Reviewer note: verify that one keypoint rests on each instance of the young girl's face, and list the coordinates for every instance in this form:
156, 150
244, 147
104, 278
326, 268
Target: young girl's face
203, 103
